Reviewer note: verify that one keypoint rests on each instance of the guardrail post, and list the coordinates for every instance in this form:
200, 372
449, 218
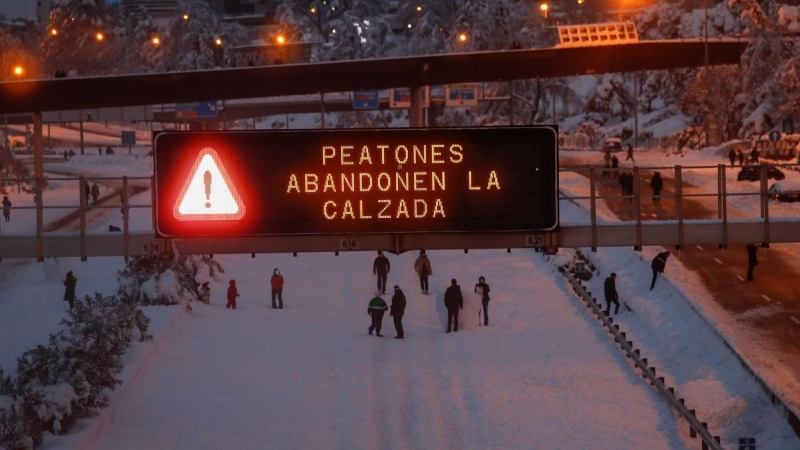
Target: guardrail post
125, 234
84, 190
593, 207
637, 208
720, 180
679, 204
723, 203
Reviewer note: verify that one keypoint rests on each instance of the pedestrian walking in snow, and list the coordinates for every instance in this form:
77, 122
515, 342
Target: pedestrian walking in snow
482, 289
732, 156
614, 166
610, 291
66, 156
6, 208
606, 163
623, 180
376, 309
754, 155
205, 293
397, 311
658, 265
381, 267
740, 154
100, 151
95, 193
628, 186
69, 293
453, 301
752, 260
657, 184
277, 288
87, 192
423, 268
630, 153
232, 294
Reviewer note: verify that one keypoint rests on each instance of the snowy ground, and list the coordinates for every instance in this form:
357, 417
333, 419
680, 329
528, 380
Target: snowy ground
542, 375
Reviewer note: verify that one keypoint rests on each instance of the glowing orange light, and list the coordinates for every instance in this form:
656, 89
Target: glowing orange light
419, 8
19, 71
185, 17
280, 39
99, 36
209, 192
580, 2
462, 37
313, 10
544, 7
156, 40
54, 32
218, 41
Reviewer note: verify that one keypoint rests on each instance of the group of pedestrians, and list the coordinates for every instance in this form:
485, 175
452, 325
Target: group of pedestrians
738, 155
93, 191
453, 298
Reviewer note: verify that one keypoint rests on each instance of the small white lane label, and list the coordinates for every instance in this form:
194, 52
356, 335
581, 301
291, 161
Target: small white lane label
698, 247
741, 278
766, 298
795, 320
718, 261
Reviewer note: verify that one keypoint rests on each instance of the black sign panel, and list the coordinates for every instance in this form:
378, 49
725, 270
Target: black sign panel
356, 181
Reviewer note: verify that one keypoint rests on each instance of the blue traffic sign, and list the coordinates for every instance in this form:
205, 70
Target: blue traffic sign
128, 138
196, 109
367, 99
774, 135
747, 443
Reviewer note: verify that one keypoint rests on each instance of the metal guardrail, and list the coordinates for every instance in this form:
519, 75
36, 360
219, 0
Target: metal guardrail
667, 393
716, 226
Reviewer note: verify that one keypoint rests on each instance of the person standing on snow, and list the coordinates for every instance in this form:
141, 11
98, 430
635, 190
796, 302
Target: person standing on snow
453, 301
95, 193
381, 267
397, 311
6, 208
657, 184
205, 293
277, 288
482, 289
69, 293
610, 291
606, 163
232, 294
658, 265
740, 154
423, 268
614, 166
87, 192
630, 153
376, 309
732, 156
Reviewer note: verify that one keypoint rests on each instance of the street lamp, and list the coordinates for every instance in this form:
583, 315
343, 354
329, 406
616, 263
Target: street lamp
99, 36
544, 8
155, 40
53, 32
19, 71
218, 41
280, 39
462, 37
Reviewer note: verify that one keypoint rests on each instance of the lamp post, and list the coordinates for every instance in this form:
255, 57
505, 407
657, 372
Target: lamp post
705, 31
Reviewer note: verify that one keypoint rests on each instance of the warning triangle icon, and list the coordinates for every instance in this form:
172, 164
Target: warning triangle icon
209, 193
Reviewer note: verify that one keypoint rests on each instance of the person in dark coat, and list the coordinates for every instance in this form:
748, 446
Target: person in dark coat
732, 156
628, 186
69, 293
376, 309
87, 192
233, 292
752, 260
397, 311
614, 166
6, 208
453, 301
381, 267
740, 154
95, 193
610, 291
658, 265
622, 180
754, 155
423, 268
657, 184
277, 288
630, 153
482, 289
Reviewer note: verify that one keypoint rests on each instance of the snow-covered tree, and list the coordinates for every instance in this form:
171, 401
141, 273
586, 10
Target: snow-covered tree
612, 97
716, 94
186, 271
145, 43
88, 38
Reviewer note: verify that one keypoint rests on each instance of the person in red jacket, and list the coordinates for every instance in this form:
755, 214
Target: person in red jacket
232, 294
277, 288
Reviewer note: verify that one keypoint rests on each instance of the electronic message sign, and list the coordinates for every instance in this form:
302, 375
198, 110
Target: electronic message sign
249, 183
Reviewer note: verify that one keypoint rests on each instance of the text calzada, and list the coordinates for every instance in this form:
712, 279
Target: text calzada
365, 181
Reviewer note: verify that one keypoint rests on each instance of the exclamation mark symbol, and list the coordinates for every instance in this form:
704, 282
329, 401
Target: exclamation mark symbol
207, 182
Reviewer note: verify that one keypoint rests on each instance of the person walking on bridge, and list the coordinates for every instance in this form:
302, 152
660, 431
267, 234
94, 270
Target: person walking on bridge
397, 311
657, 184
658, 265
610, 291
483, 290
277, 288
69, 294
6, 208
732, 156
381, 267
233, 292
95, 193
752, 259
